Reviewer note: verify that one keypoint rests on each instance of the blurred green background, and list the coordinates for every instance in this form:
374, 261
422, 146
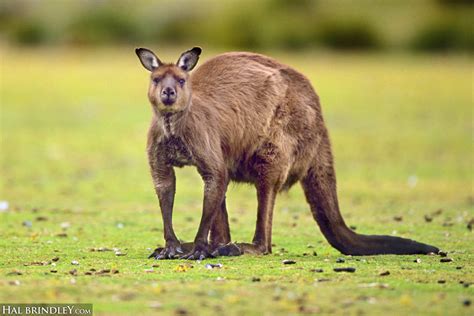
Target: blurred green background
426, 25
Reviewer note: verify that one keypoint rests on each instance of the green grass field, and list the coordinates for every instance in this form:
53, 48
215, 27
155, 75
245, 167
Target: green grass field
74, 171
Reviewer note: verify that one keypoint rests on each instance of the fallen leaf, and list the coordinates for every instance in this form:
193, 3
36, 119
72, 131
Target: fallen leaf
182, 267
37, 263
470, 224
346, 269
100, 249
181, 311
15, 272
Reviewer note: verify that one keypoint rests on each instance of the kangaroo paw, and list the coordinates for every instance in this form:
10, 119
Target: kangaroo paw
228, 250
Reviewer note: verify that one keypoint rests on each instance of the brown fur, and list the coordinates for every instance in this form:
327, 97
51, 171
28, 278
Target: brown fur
245, 117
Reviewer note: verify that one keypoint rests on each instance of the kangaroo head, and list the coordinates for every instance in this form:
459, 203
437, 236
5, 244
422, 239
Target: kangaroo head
170, 89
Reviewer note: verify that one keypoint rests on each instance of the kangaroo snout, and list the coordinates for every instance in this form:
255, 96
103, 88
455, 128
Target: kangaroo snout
168, 96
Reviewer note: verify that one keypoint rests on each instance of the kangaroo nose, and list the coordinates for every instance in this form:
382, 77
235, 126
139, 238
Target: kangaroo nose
169, 92
168, 96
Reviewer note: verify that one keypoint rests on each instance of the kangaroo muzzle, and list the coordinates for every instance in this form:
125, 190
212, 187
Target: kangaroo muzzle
168, 96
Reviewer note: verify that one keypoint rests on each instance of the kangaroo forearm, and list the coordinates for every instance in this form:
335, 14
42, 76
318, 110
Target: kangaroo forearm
166, 199
165, 187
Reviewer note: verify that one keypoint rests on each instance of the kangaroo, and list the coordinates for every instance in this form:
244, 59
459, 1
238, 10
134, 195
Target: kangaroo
245, 117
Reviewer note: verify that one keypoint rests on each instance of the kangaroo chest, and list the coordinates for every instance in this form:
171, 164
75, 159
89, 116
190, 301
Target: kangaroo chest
176, 152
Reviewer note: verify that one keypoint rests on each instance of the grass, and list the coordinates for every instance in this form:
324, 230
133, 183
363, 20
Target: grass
73, 126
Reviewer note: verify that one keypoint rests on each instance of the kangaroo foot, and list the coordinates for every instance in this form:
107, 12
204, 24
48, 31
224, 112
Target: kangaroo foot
237, 249
227, 250
173, 251
198, 252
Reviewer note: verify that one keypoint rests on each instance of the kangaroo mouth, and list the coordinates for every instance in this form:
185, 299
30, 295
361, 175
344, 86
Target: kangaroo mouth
168, 101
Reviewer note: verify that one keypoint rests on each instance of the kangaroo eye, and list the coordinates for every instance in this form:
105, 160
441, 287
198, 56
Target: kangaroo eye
181, 81
156, 80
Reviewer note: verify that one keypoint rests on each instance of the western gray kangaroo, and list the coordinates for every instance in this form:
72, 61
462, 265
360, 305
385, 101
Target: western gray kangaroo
248, 118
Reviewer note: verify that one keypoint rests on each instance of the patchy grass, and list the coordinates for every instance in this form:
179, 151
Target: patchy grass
74, 172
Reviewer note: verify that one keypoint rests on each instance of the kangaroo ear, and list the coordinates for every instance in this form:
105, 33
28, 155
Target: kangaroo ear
189, 59
148, 58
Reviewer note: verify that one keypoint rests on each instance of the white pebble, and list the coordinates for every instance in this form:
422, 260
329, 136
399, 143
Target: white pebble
3, 206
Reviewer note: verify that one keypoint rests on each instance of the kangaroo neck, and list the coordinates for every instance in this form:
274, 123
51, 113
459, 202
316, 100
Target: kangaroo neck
172, 123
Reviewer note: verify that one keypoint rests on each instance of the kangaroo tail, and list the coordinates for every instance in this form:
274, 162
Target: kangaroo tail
319, 186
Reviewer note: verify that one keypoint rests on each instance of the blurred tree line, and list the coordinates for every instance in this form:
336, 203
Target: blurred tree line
427, 25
